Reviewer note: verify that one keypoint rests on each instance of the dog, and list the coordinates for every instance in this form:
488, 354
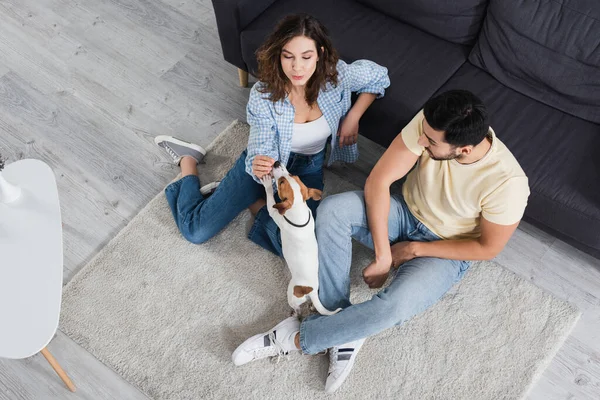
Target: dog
298, 241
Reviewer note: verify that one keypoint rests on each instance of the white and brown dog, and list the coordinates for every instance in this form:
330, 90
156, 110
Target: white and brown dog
298, 241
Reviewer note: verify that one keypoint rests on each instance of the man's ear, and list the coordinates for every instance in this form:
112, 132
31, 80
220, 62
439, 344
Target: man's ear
283, 206
315, 194
465, 151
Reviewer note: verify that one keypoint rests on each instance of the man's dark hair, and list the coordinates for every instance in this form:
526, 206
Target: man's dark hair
460, 114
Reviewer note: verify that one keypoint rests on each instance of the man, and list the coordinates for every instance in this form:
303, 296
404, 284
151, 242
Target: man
462, 201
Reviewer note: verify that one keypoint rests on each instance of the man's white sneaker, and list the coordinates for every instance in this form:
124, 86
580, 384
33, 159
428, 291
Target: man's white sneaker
279, 341
177, 148
341, 360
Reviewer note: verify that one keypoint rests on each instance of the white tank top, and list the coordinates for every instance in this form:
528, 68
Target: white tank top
310, 137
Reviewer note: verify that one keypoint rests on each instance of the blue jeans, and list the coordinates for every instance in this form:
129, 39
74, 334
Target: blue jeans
417, 285
199, 218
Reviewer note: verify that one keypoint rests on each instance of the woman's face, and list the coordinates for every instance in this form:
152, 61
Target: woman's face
299, 60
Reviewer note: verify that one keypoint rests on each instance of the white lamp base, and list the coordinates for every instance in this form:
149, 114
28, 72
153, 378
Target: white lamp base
8, 191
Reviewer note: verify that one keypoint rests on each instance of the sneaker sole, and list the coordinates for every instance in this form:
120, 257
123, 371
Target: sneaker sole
166, 138
338, 383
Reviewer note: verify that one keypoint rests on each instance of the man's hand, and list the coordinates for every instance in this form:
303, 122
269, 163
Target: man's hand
262, 165
401, 253
376, 273
348, 130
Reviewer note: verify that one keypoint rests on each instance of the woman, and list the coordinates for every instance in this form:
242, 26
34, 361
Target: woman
302, 95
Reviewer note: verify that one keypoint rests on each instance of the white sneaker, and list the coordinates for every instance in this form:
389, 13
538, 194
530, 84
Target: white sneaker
341, 360
279, 341
209, 188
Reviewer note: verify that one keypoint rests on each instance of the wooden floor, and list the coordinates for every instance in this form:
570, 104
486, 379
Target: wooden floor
85, 86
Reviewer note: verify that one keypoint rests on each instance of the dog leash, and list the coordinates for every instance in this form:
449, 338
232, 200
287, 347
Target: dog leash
296, 225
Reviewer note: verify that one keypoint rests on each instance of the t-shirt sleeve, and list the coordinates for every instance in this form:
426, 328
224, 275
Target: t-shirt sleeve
412, 132
506, 204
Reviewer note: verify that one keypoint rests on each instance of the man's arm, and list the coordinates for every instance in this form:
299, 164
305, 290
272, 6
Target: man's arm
395, 163
491, 242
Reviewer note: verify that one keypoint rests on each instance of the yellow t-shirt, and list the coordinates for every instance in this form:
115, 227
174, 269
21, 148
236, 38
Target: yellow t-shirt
449, 198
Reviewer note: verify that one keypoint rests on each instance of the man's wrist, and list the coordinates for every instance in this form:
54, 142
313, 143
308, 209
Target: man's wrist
416, 249
384, 259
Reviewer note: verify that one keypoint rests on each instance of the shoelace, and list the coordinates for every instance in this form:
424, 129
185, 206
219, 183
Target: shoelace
279, 348
276, 349
171, 151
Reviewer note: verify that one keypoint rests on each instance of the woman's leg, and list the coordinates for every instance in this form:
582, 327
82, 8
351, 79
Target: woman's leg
199, 218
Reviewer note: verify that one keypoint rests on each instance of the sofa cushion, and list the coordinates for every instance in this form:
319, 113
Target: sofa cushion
546, 49
418, 63
457, 21
556, 150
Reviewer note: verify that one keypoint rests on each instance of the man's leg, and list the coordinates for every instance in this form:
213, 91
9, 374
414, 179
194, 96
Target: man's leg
343, 217
418, 284
340, 216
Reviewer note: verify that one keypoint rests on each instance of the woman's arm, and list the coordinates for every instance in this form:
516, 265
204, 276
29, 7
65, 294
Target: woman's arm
364, 76
261, 141
348, 132
369, 80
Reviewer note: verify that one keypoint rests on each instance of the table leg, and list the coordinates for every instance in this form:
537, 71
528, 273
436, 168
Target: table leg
58, 369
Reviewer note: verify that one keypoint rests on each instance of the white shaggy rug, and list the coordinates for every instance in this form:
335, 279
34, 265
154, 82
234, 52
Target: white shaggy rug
166, 315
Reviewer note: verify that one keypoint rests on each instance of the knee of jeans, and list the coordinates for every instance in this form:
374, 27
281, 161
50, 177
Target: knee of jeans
337, 208
195, 236
332, 208
326, 217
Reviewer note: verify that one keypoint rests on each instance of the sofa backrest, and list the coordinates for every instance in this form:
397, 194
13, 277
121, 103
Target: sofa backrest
457, 21
546, 49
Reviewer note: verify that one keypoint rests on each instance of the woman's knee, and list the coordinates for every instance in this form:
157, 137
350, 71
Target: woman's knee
197, 235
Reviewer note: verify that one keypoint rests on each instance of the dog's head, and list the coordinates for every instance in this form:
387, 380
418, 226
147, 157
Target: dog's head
291, 189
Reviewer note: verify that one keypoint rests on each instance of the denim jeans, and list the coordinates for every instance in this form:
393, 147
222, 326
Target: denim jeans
199, 218
417, 285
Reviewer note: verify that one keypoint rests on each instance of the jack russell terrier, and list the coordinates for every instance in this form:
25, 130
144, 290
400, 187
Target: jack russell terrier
298, 241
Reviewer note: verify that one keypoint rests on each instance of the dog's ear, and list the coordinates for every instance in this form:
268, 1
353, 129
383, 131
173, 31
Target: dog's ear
283, 206
314, 194
303, 189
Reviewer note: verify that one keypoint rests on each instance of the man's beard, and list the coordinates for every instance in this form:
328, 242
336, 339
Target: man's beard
450, 156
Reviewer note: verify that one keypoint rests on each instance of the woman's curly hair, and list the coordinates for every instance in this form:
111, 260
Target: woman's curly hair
270, 73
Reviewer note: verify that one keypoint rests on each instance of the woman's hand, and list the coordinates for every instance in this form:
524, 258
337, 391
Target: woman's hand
348, 130
262, 165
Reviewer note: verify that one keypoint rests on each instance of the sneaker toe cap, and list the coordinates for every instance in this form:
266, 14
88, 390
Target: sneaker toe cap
332, 383
241, 357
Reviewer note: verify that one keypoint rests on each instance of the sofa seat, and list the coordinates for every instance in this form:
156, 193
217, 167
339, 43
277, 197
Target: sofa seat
563, 169
418, 62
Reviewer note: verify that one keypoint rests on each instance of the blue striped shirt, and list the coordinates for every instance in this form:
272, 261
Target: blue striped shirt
272, 124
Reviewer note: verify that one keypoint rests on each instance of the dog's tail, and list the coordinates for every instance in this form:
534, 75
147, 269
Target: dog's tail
314, 297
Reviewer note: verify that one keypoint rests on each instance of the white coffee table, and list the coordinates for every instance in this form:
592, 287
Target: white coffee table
31, 264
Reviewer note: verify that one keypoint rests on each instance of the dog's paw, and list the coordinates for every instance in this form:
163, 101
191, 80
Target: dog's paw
267, 181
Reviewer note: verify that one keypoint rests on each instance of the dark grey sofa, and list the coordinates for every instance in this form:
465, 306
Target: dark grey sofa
535, 64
